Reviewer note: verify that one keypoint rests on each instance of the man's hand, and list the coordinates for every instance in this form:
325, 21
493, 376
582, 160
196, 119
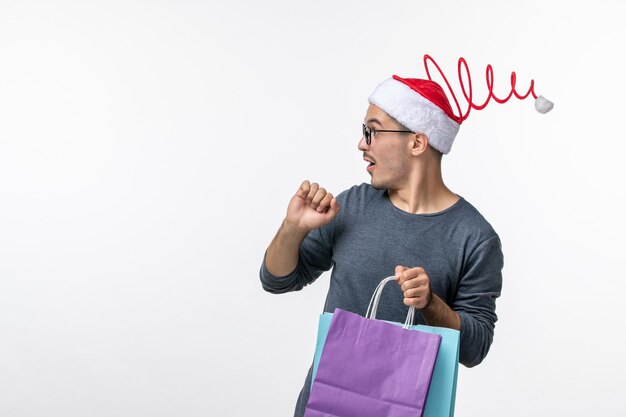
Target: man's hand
311, 207
415, 285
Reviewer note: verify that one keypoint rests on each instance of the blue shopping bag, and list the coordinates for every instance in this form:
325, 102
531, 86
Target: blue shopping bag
442, 393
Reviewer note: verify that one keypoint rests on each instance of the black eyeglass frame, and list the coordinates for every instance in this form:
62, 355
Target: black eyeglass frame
367, 133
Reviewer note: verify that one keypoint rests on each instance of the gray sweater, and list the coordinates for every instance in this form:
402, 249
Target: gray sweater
457, 247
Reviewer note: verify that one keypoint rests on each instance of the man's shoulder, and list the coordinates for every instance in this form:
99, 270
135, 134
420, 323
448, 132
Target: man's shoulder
472, 222
359, 193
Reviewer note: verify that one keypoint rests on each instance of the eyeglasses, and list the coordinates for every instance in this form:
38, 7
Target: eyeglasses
368, 132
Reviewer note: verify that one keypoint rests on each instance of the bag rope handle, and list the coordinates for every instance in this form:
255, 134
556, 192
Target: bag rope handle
373, 305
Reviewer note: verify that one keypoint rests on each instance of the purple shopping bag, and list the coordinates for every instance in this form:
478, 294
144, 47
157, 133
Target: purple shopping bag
371, 368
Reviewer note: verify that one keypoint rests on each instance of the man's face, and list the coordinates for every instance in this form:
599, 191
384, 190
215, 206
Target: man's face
388, 154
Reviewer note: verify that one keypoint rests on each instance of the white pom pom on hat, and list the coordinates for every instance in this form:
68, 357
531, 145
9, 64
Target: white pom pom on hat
422, 106
543, 105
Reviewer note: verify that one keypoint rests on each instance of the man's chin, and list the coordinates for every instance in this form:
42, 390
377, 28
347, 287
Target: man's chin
375, 185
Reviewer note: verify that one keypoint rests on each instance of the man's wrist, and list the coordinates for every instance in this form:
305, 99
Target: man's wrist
438, 313
292, 231
431, 296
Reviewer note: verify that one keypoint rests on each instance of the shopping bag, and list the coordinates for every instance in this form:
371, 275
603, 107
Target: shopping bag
372, 368
442, 392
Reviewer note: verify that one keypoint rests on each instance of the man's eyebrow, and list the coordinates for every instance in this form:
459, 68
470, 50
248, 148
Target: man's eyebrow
373, 120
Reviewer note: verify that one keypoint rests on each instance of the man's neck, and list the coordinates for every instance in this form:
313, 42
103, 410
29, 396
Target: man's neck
425, 194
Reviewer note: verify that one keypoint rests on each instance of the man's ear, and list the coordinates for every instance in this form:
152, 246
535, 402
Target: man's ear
419, 144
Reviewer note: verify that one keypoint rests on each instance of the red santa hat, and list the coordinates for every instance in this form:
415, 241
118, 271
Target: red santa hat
422, 105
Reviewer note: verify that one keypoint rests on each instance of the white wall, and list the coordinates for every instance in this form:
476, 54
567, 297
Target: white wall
148, 151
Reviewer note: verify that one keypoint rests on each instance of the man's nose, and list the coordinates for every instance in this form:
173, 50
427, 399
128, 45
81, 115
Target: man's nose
363, 146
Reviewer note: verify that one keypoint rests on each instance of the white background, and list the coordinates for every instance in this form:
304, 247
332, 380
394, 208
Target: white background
148, 151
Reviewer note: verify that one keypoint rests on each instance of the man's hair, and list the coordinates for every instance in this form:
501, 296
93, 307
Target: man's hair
438, 154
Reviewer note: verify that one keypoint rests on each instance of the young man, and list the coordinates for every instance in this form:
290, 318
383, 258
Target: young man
446, 257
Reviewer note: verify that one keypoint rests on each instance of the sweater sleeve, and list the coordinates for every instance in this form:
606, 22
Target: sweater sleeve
475, 301
314, 258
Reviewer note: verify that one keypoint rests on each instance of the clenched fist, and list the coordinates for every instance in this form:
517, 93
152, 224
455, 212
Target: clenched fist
311, 207
415, 285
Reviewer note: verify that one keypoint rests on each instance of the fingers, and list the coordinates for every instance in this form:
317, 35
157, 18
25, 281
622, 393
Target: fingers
311, 207
415, 286
312, 192
317, 197
416, 292
419, 297
417, 282
324, 204
334, 206
307, 190
404, 274
421, 302
303, 191
399, 270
